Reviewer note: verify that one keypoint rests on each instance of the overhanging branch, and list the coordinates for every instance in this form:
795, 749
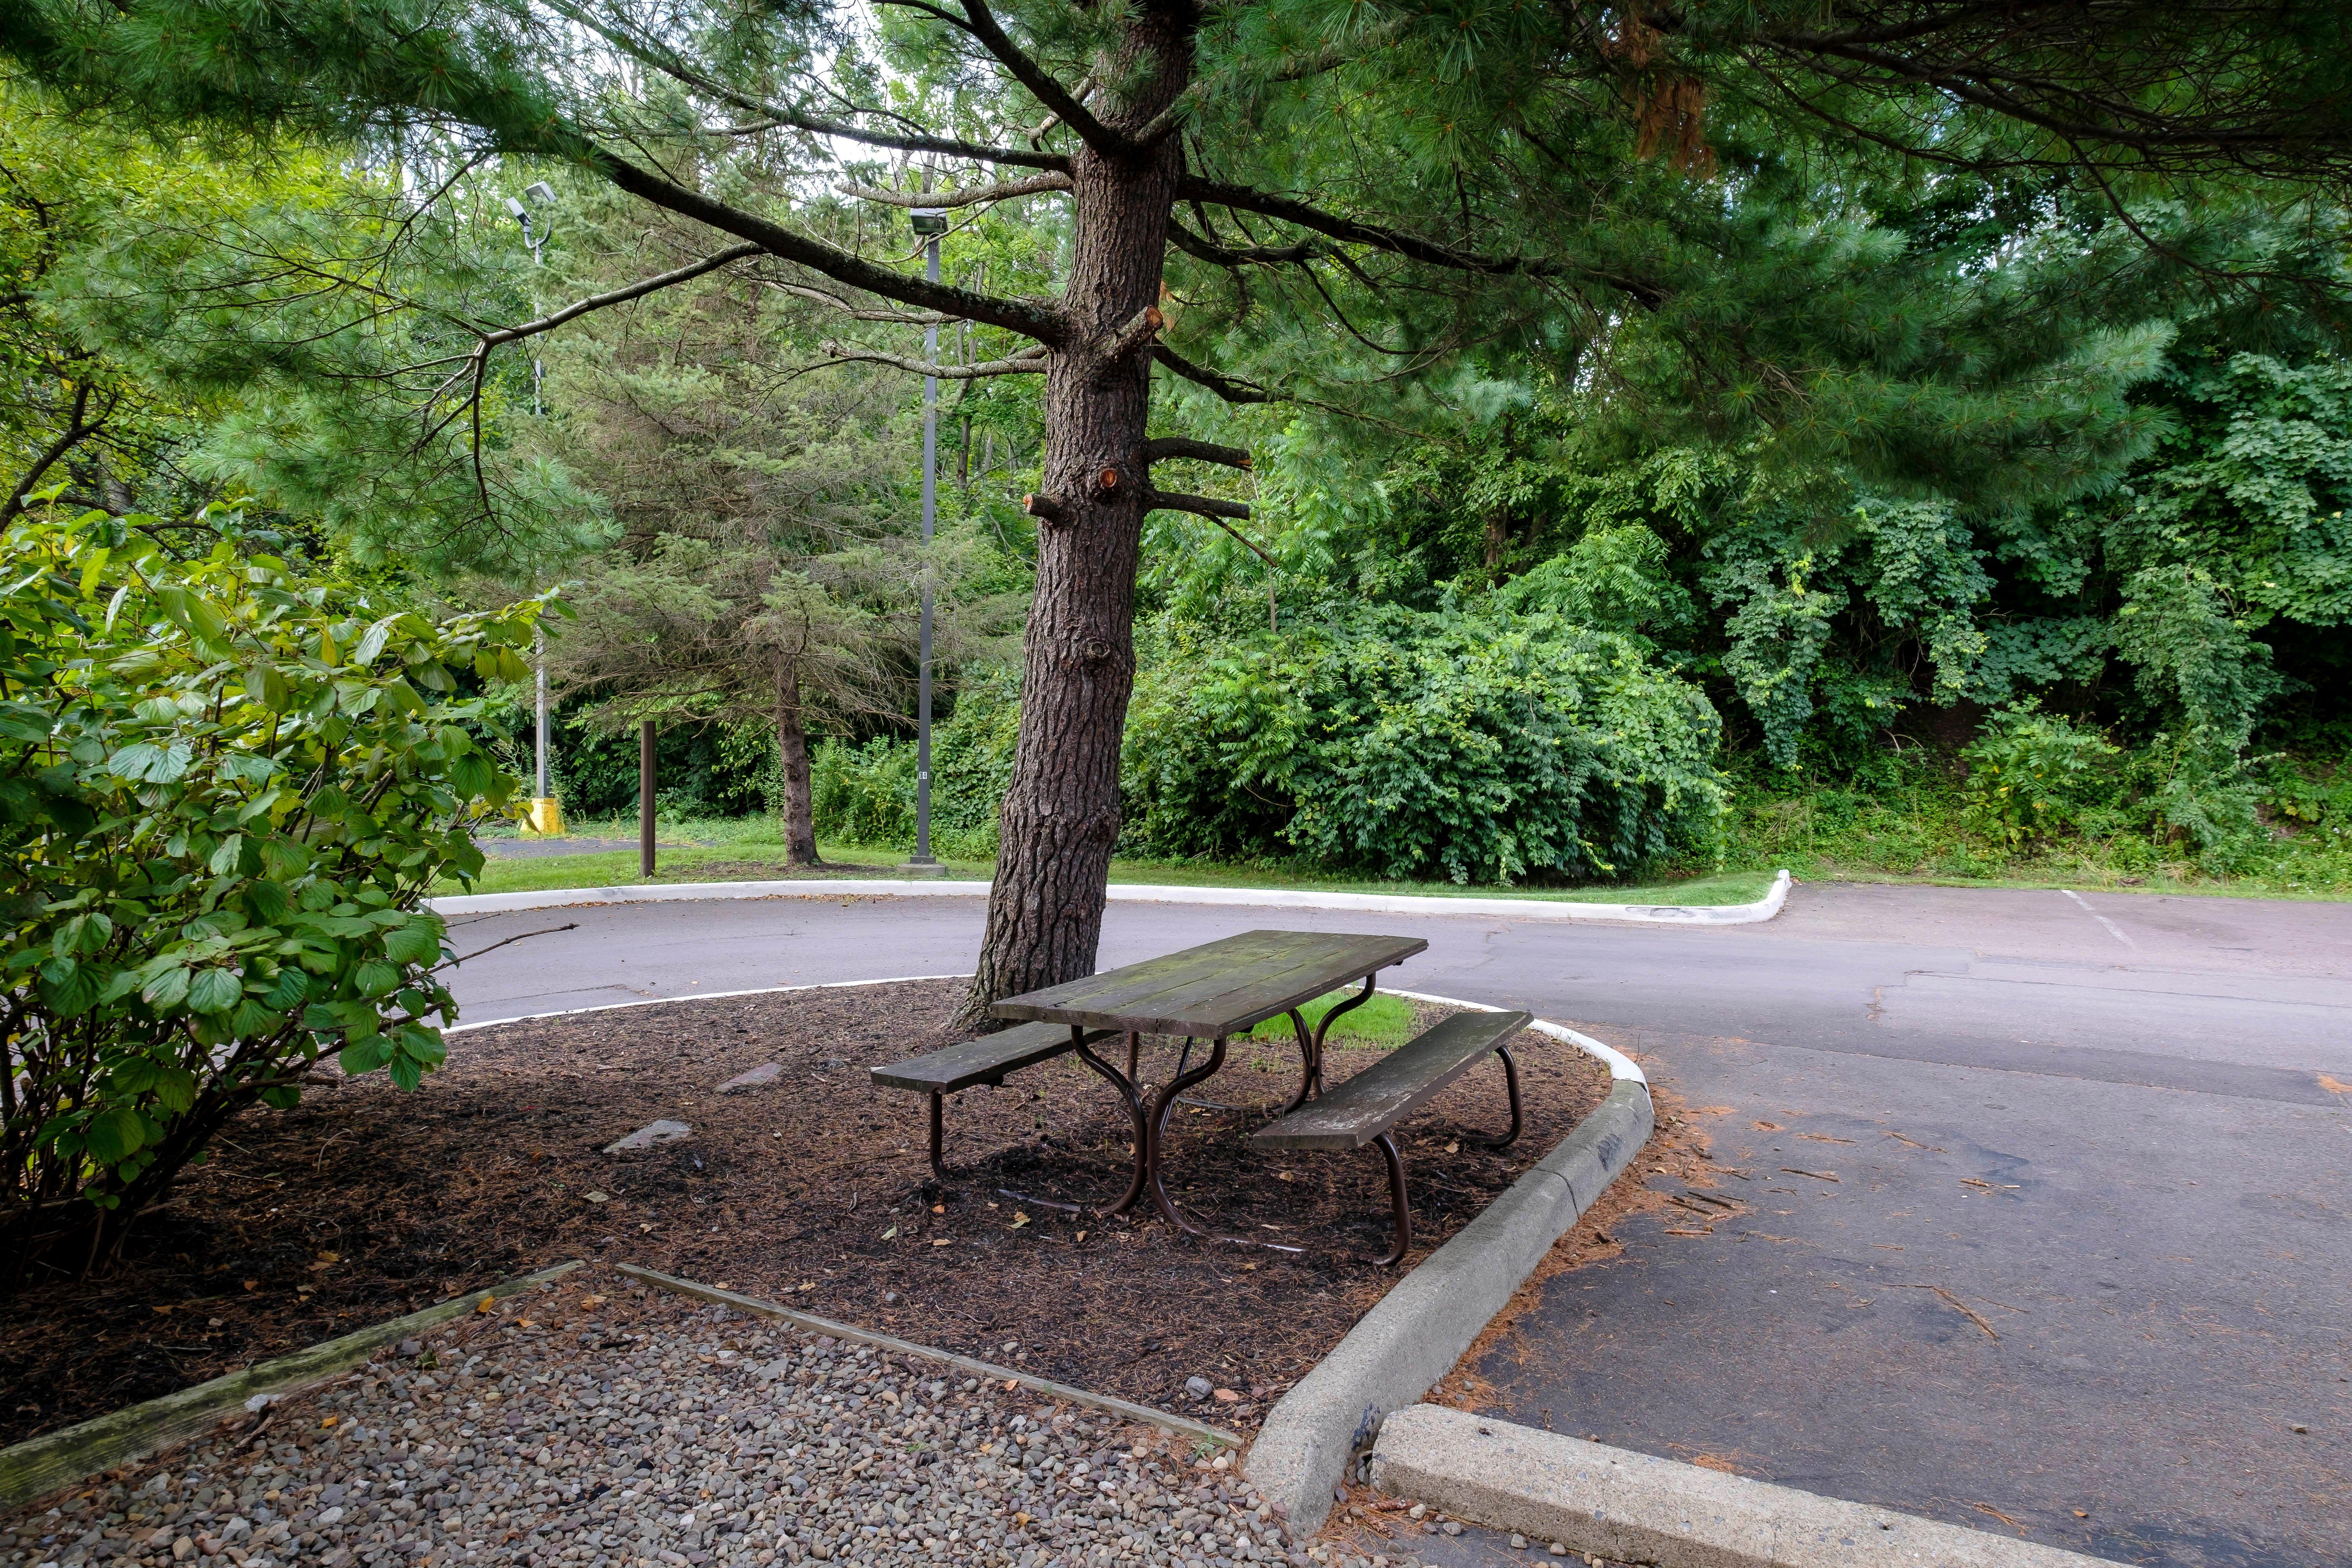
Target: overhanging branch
1199, 506
1030, 317
1231, 388
1162, 447
1042, 86
624, 294
1003, 190
1032, 362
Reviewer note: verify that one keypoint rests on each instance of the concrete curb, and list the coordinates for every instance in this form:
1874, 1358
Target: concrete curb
1636, 1507
1126, 1409
1420, 1328
1763, 909
39, 1465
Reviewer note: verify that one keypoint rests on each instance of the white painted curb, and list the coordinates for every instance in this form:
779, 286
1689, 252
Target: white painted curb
1637, 1508
1763, 909
1413, 1335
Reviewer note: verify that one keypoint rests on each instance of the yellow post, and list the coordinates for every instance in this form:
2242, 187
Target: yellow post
546, 817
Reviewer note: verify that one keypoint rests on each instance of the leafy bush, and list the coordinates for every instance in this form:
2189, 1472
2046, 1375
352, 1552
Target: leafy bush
864, 794
2030, 773
223, 791
1408, 745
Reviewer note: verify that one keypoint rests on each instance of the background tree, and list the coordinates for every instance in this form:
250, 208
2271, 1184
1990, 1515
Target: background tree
1460, 174
188, 325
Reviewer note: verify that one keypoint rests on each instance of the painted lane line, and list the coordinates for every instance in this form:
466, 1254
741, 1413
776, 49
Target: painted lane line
2113, 930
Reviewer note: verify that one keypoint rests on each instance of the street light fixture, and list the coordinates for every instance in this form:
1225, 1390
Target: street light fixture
546, 817
930, 223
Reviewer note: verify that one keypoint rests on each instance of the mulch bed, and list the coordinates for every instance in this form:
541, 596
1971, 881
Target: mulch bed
364, 1203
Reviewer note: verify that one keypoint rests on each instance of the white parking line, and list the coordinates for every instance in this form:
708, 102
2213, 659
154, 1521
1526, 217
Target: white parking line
2113, 930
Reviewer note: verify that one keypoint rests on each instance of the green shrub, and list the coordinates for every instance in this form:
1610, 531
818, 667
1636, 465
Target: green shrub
1486, 748
2032, 774
223, 791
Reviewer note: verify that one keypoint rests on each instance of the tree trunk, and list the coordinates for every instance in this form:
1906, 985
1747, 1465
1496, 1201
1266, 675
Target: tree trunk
1060, 815
792, 750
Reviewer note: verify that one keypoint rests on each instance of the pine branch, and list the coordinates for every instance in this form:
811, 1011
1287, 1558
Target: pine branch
982, 24
835, 302
1411, 247
624, 294
1229, 388
1162, 447
1138, 328
1199, 506
1331, 57
1238, 255
1030, 362
1030, 317
670, 65
1003, 190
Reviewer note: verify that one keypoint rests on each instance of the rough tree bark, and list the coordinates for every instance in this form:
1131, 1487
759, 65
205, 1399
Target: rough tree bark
1060, 815
791, 750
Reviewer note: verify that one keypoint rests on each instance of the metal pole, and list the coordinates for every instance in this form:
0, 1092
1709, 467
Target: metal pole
644, 798
922, 855
539, 654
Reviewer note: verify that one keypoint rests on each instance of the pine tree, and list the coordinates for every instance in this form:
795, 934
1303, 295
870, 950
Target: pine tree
1557, 174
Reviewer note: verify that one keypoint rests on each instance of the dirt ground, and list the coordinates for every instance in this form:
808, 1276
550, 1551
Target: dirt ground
365, 1202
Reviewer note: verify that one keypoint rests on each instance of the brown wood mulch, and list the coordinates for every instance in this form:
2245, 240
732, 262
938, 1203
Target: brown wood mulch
365, 1202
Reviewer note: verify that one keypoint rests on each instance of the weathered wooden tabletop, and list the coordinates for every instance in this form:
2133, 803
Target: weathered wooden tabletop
1220, 988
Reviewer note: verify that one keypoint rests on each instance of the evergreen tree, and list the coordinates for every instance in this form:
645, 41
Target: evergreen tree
1569, 177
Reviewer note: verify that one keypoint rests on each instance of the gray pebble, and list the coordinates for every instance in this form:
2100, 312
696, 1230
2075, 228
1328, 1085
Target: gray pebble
686, 1436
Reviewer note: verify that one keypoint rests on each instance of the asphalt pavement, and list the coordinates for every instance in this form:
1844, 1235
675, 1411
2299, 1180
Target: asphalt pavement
2085, 1269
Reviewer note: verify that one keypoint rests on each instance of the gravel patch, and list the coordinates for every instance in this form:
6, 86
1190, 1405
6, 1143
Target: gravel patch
599, 1425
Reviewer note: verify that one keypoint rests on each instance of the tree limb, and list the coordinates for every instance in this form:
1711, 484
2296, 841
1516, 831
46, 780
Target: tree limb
1030, 362
625, 293
898, 318
982, 24
1003, 190
1229, 388
1139, 330
815, 125
1216, 511
1199, 506
1328, 58
74, 433
1411, 247
1030, 317
1209, 250
1162, 447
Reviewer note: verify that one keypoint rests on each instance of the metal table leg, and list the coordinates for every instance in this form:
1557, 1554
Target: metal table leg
1311, 1050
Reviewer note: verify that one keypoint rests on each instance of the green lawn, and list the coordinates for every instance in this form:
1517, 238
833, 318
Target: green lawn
750, 851
1384, 1021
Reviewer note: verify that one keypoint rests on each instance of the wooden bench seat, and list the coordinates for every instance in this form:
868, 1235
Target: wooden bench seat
1366, 1108
990, 1059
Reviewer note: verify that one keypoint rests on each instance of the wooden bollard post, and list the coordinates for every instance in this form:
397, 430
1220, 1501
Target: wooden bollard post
645, 798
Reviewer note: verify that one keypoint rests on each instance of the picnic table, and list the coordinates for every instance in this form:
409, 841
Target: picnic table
1215, 991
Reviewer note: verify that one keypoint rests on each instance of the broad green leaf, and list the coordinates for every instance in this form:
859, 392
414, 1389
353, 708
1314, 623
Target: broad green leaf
176, 1089
406, 1072
114, 1134
416, 941
376, 979
372, 642
365, 1056
214, 991
167, 990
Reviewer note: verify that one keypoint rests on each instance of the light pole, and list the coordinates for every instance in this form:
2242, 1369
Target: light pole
930, 223
546, 817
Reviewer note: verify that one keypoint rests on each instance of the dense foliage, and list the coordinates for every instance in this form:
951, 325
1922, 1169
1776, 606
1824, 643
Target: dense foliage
225, 789
1447, 746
